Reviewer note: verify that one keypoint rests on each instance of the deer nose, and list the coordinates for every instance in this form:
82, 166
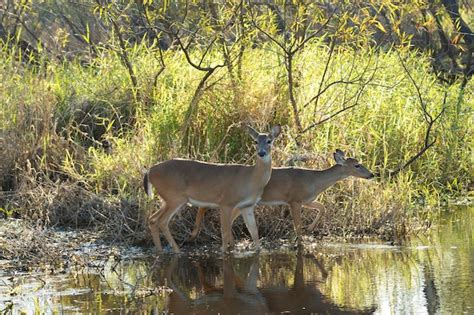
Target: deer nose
261, 153
371, 175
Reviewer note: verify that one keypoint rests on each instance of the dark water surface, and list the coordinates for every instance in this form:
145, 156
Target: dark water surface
431, 275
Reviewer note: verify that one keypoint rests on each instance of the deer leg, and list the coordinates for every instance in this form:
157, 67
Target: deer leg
197, 225
298, 280
254, 272
316, 206
226, 228
295, 209
249, 219
153, 220
206, 285
164, 220
230, 289
235, 214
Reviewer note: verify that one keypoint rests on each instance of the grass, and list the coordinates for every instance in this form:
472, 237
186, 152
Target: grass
56, 171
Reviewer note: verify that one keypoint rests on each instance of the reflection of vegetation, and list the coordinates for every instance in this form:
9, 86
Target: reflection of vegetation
340, 278
361, 278
110, 286
439, 276
450, 261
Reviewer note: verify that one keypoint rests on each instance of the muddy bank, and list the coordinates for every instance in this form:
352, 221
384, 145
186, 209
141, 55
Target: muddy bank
25, 247
30, 244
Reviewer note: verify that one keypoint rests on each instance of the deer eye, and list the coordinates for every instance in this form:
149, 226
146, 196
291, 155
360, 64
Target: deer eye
269, 141
256, 142
357, 166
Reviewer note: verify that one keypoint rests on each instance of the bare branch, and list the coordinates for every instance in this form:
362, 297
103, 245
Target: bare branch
346, 108
314, 34
427, 115
323, 77
125, 58
162, 68
328, 118
192, 108
124, 55
270, 37
206, 51
411, 160
188, 57
294, 105
426, 144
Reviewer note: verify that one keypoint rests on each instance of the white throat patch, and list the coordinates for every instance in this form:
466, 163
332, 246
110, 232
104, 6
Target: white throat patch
267, 158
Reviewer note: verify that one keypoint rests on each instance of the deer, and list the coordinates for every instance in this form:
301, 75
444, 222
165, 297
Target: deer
299, 187
224, 186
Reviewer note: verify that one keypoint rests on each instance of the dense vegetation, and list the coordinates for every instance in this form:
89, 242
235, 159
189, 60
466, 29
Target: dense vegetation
118, 87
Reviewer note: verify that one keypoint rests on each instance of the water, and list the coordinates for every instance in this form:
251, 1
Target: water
434, 274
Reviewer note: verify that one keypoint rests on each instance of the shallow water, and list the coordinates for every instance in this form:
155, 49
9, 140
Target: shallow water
434, 274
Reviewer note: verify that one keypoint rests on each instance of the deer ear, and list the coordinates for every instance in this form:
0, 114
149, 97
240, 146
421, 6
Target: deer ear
275, 131
339, 157
252, 132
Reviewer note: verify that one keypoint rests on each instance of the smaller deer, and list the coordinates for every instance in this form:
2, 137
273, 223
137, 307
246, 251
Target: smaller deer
297, 187
210, 185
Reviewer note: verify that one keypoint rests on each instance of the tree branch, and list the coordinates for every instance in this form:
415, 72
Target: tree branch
189, 59
410, 161
328, 118
323, 77
314, 34
125, 58
426, 115
270, 37
428, 119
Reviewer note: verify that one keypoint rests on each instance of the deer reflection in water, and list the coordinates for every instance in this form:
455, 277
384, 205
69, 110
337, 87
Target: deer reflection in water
237, 295
230, 293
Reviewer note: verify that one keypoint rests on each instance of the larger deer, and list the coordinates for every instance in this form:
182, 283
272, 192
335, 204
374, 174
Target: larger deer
297, 187
223, 186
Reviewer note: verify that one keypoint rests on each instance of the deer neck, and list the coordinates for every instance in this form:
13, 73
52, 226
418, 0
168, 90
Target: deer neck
327, 178
262, 171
